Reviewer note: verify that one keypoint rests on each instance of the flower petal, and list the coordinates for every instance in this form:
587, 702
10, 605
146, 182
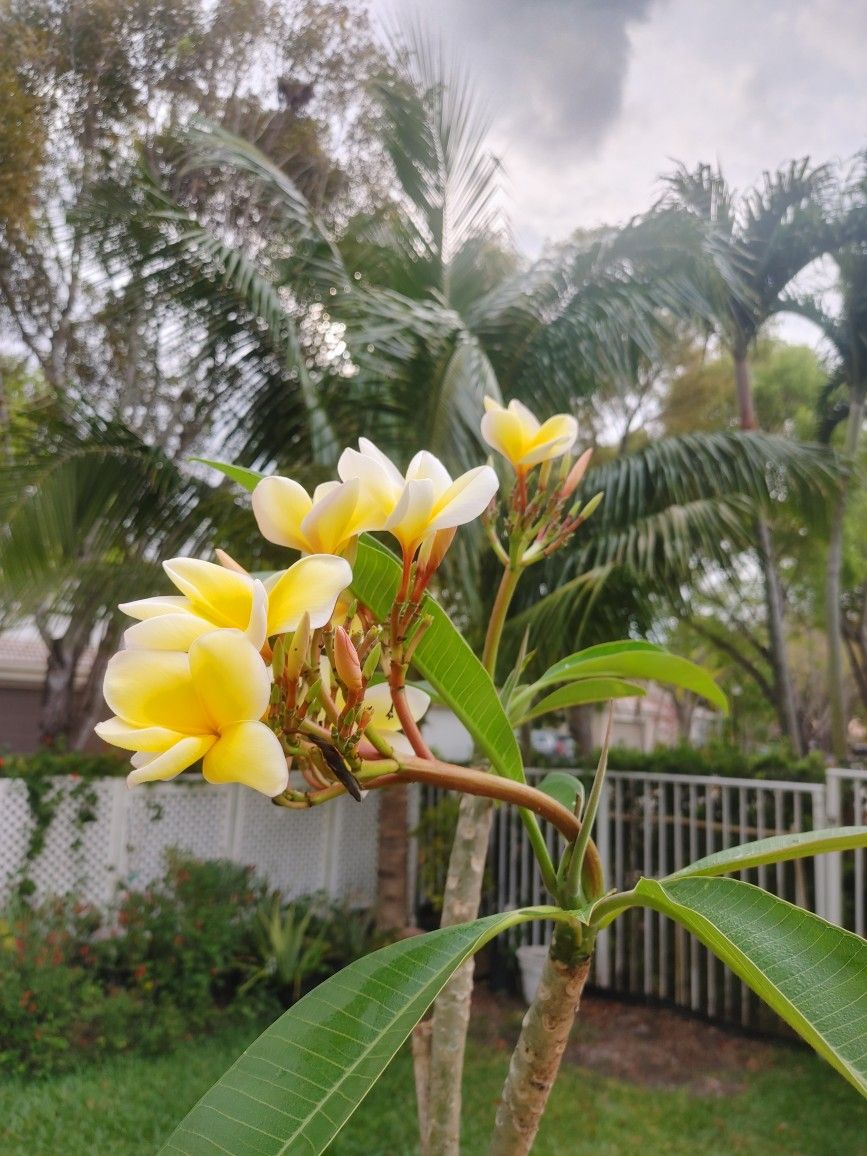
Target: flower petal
154, 688
230, 678
411, 517
381, 482
329, 525
425, 465
144, 608
169, 764
280, 505
465, 499
224, 596
251, 754
167, 632
555, 438
384, 715
312, 584
257, 627
503, 432
120, 733
369, 450
528, 420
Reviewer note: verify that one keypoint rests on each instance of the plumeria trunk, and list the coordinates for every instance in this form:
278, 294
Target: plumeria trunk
392, 905
452, 1009
536, 1058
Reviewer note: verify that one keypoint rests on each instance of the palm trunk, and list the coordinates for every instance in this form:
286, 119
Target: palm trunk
544, 1035
836, 682
784, 686
452, 1009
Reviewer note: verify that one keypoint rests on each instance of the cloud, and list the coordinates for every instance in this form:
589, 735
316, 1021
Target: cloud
553, 70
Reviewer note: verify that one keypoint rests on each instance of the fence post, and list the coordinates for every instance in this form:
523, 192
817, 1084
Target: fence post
603, 844
833, 864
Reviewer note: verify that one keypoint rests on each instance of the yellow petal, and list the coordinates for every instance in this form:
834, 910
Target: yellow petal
491, 406
465, 499
120, 733
257, 627
223, 596
251, 754
145, 608
425, 465
503, 432
384, 716
528, 420
381, 482
154, 688
169, 764
555, 438
280, 505
311, 585
412, 514
166, 632
230, 677
329, 525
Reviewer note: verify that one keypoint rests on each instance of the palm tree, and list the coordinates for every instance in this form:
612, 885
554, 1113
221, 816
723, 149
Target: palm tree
842, 401
768, 235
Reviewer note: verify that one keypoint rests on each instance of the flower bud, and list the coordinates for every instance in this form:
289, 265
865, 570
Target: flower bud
371, 663
435, 548
576, 475
346, 662
296, 655
591, 506
228, 562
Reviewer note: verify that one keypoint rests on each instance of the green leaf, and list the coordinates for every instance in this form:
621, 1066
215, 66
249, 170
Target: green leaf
774, 850
579, 693
249, 479
636, 660
810, 972
564, 788
444, 659
295, 1087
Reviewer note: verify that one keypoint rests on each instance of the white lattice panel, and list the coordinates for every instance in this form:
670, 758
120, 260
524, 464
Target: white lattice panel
330, 848
78, 855
190, 816
290, 849
354, 856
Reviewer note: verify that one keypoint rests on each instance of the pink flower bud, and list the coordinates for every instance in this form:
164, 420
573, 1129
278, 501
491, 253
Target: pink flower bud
576, 475
346, 662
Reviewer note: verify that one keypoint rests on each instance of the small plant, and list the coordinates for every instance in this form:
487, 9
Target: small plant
289, 949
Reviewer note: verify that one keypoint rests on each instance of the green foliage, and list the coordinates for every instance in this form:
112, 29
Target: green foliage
435, 834
51, 763
775, 849
566, 789
329, 1049
287, 951
810, 972
714, 759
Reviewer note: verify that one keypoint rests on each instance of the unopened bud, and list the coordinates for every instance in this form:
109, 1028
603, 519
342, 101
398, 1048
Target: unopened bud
278, 654
576, 475
346, 662
296, 653
435, 548
228, 562
591, 506
371, 663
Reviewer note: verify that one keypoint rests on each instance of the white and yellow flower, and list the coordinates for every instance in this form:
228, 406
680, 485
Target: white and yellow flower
326, 523
173, 708
384, 718
215, 596
514, 432
423, 501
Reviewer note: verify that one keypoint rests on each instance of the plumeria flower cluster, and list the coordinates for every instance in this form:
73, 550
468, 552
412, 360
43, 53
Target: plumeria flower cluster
541, 514
259, 678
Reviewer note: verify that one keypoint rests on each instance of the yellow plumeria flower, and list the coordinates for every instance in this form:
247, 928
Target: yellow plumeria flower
516, 434
173, 708
327, 523
422, 501
214, 596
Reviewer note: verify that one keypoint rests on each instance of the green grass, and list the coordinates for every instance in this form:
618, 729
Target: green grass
127, 1107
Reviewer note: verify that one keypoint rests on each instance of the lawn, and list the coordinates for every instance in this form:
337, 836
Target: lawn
127, 1107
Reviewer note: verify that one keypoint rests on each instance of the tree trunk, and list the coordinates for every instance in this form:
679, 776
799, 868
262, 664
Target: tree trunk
452, 1009
785, 692
392, 903
58, 692
833, 582
580, 719
536, 1058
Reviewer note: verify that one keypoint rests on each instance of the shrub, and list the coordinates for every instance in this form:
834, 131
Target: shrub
777, 762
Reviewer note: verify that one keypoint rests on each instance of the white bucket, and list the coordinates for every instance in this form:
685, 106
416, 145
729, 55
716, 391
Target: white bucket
531, 960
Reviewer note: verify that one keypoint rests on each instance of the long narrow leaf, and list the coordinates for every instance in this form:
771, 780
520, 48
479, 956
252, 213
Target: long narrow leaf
775, 849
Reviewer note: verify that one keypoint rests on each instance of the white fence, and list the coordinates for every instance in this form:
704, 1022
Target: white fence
651, 824
105, 835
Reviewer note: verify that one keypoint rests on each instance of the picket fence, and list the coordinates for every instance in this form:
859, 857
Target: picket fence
107, 837
654, 823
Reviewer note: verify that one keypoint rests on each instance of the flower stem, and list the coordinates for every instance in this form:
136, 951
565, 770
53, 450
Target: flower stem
505, 593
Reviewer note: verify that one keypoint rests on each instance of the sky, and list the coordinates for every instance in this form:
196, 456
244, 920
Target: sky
592, 100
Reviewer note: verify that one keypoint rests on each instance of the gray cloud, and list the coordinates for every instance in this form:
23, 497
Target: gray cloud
554, 70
